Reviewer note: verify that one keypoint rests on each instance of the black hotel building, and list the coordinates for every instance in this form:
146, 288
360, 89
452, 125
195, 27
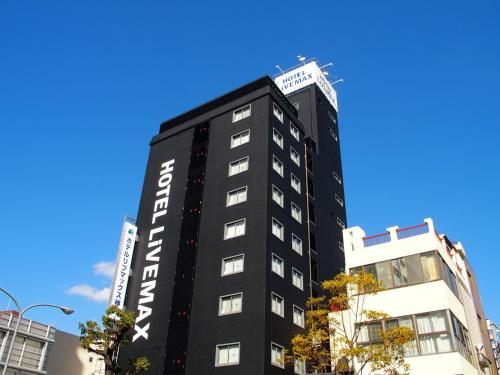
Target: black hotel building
240, 218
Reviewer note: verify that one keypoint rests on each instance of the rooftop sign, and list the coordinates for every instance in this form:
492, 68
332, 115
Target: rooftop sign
306, 75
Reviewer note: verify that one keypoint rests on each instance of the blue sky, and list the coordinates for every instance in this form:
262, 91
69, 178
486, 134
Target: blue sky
85, 85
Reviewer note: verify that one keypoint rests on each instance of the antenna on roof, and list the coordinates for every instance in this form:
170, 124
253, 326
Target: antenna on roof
337, 81
302, 59
324, 66
281, 70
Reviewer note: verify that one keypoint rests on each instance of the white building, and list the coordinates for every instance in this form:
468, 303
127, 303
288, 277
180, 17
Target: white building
427, 288
494, 336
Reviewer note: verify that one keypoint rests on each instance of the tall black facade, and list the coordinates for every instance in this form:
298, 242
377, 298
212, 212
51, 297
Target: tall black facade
239, 221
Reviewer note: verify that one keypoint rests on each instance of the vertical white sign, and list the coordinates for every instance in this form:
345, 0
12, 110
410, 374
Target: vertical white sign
122, 265
306, 75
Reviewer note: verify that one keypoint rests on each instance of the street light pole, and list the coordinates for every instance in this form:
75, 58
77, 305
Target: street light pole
20, 313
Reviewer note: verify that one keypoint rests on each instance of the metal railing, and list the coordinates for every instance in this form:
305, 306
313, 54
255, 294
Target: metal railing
377, 239
415, 230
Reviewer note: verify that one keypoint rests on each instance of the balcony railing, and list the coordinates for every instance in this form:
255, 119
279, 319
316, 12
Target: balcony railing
377, 239
412, 231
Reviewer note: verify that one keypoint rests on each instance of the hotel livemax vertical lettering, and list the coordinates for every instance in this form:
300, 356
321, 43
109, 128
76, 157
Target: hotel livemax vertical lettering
150, 272
150, 289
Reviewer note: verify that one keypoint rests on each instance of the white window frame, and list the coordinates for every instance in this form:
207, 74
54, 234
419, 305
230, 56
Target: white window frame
292, 177
301, 286
295, 156
295, 307
298, 212
278, 112
341, 246
337, 177
232, 258
247, 158
277, 364
332, 133
282, 304
294, 131
238, 136
237, 191
278, 191
226, 227
339, 200
340, 223
281, 170
332, 117
244, 113
227, 345
240, 294
282, 230
302, 370
300, 241
281, 266
278, 135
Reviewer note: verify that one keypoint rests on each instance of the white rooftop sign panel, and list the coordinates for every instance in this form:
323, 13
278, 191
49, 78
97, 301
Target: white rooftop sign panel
303, 76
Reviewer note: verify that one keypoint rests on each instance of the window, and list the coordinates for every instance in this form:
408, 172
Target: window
433, 335
337, 177
296, 213
340, 223
238, 166
297, 279
369, 333
295, 183
277, 265
230, 304
277, 138
236, 196
227, 354
429, 266
339, 200
232, 265
278, 196
296, 105
294, 131
242, 113
462, 338
450, 278
278, 112
235, 229
294, 155
299, 366
384, 274
296, 244
332, 117
240, 138
341, 246
278, 166
332, 133
298, 316
400, 272
278, 229
277, 353
277, 305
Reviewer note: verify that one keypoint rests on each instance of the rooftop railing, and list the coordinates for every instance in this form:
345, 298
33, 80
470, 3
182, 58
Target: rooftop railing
415, 230
377, 239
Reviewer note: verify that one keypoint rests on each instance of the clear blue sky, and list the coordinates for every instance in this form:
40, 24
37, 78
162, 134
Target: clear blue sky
85, 85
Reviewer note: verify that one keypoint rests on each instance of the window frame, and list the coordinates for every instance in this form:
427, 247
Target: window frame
292, 177
231, 145
301, 287
244, 220
247, 158
278, 112
299, 212
282, 304
240, 294
217, 351
282, 166
277, 364
282, 265
293, 151
242, 255
273, 189
337, 177
295, 307
236, 191
242, 108
301, 244
273, 220
294, 131
280, 137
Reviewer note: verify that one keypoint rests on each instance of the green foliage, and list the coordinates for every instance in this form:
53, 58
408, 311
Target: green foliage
332, 331
106, 340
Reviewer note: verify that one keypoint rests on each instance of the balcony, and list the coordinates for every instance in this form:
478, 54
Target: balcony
397, 234
377, 239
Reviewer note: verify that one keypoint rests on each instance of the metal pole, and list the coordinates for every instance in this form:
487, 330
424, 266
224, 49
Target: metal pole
20, 315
